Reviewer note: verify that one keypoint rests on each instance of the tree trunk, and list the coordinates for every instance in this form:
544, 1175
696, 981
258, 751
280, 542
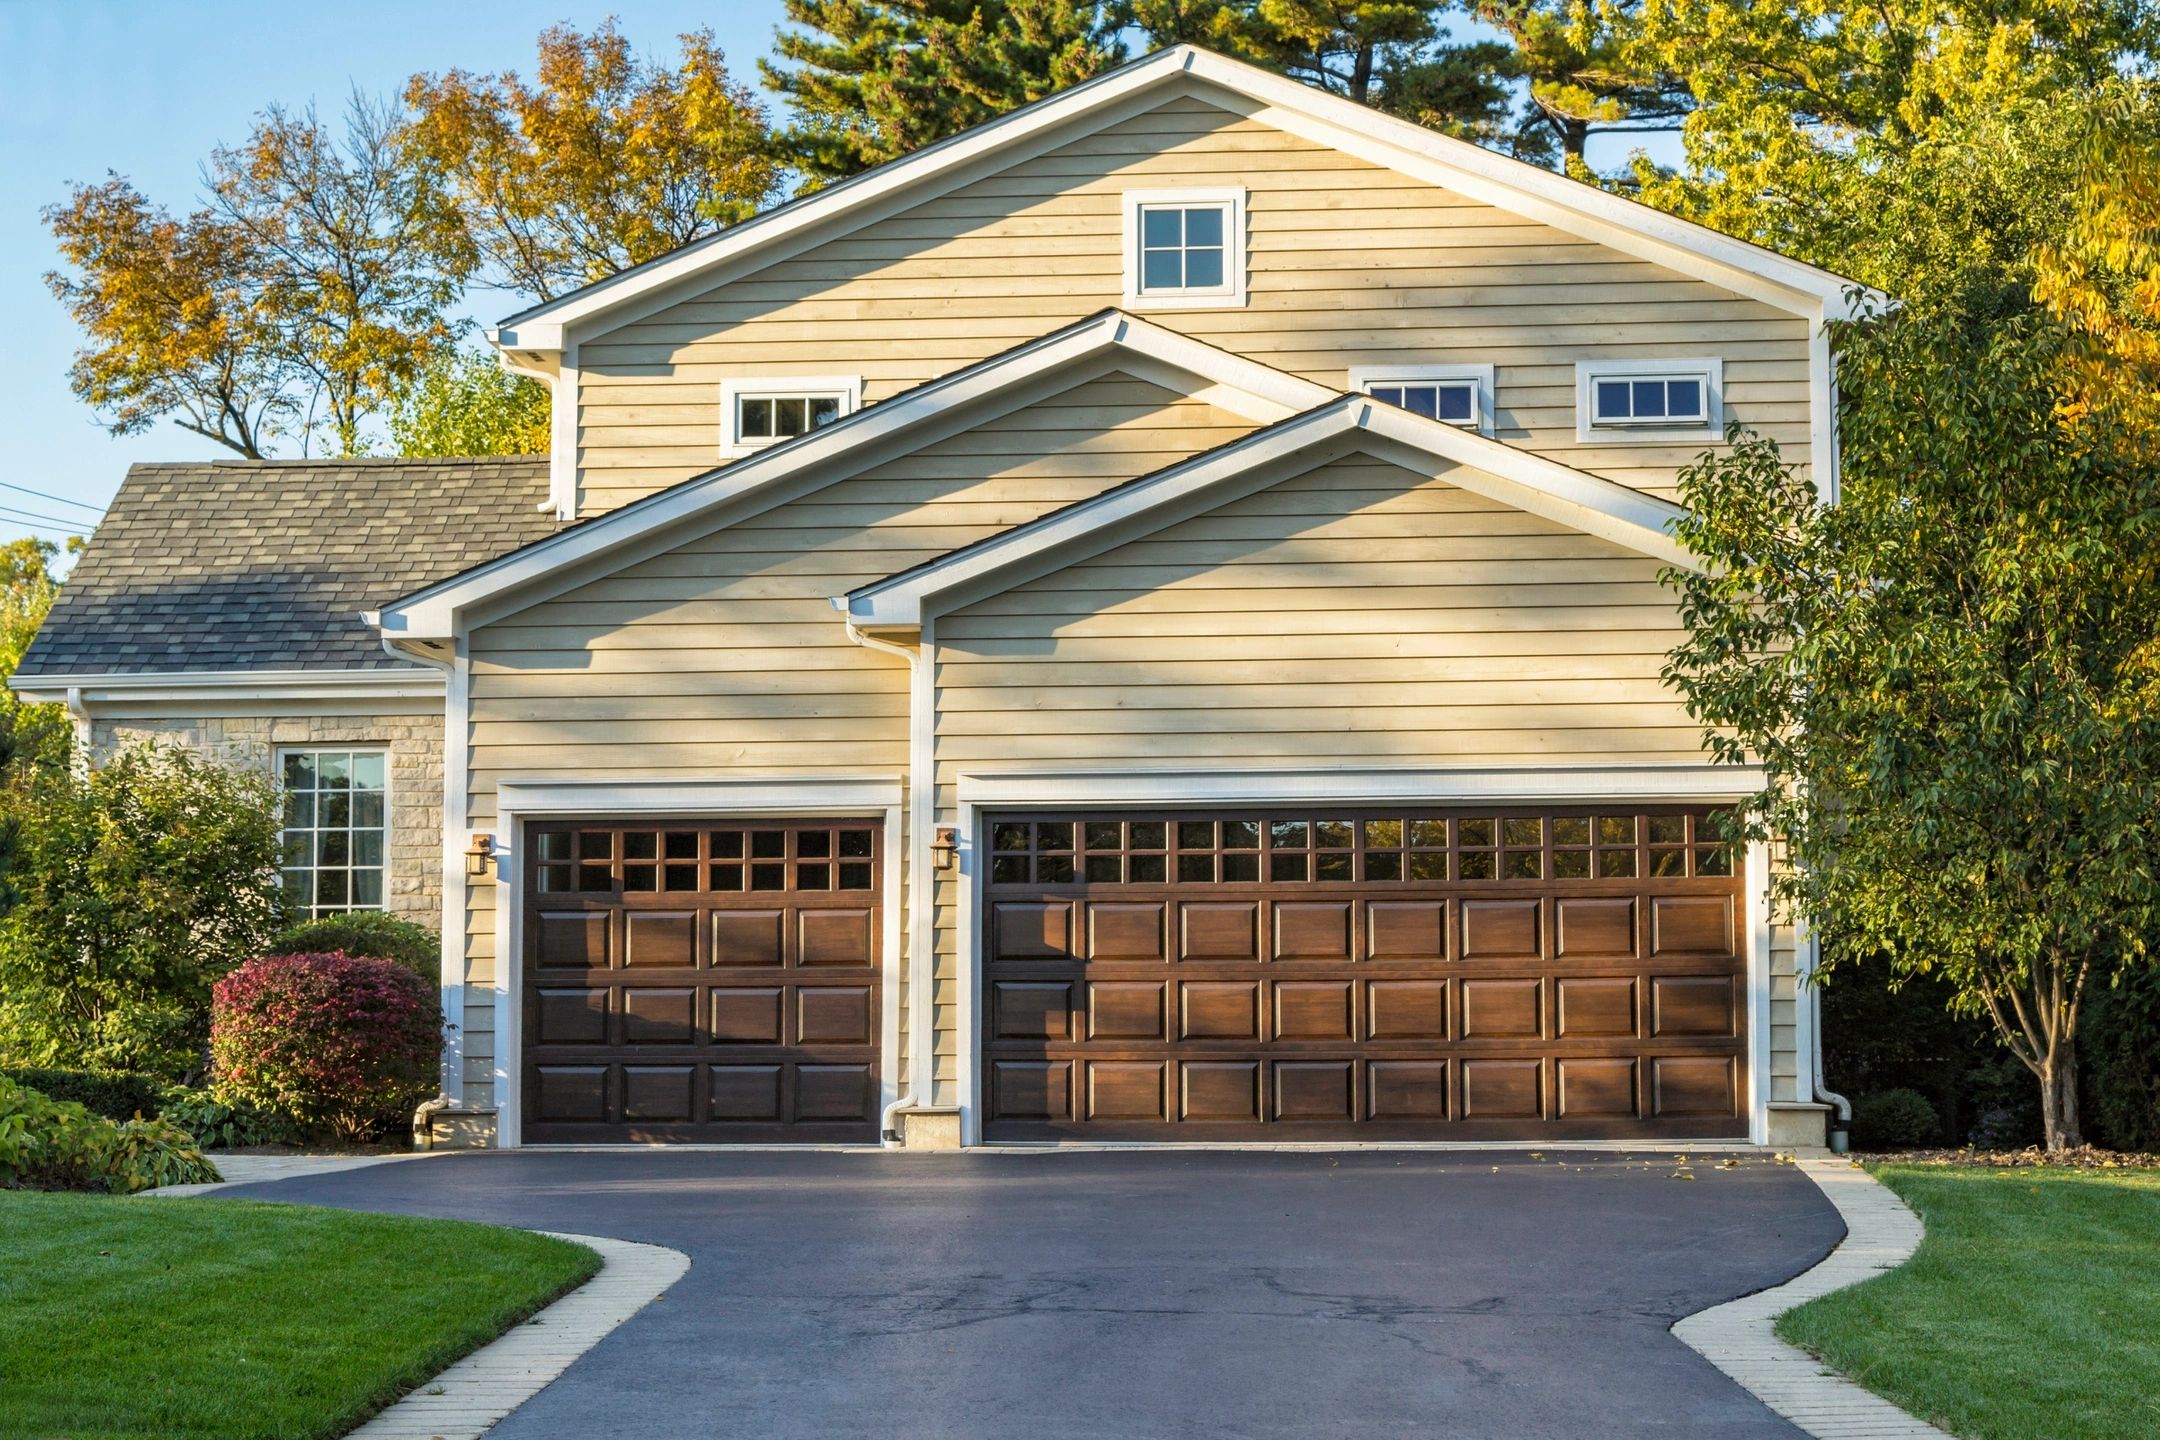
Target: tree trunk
2058, 1102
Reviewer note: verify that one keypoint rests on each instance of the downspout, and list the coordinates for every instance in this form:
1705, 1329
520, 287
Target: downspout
456, 888
916, 1085
79, 712
1821, 1090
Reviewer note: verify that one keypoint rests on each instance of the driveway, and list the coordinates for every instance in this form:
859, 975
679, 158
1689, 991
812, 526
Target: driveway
1166, 1294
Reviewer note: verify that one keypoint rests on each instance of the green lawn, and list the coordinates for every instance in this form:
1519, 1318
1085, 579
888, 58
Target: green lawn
2031, 1310
184, 1318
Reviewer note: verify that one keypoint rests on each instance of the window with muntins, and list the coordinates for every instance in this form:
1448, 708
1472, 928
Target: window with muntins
1650, 400
337, 829
1185, 248
1452, 401
758, 413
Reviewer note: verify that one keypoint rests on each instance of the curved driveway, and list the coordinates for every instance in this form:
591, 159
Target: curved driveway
1164, 1294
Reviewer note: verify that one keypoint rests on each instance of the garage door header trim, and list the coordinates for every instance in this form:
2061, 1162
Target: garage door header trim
1430, 785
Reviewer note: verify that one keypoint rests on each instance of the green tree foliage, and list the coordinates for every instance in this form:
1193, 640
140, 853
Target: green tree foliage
1584, 75
34, 736
1951, 677
464, 403
133, 887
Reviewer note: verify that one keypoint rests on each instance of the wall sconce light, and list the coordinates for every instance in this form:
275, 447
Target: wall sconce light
479, 855
944, 847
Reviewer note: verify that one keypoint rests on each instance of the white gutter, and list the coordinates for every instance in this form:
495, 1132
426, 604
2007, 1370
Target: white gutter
85, 689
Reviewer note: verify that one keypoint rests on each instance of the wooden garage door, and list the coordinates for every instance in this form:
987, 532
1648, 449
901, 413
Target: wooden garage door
711, 982
1284, 974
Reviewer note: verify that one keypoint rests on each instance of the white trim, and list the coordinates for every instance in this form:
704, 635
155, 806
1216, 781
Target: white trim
1756, 897
1591, 431
563, 425
1543, 487
604, 797
869, 437
199, 685
389, 793
1230, 295
1822, 414
847, 389
1363, 377
1576, 208
456, 885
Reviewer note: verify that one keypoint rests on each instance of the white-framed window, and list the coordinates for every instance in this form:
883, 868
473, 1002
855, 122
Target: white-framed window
1452, 394
337, 828
1185, 248
1646, 402
762, 412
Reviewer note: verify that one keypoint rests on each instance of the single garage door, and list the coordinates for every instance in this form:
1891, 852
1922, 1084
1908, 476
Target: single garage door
1562, 974
707, 982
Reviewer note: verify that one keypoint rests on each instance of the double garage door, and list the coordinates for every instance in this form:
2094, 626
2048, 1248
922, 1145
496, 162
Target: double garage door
1270, 975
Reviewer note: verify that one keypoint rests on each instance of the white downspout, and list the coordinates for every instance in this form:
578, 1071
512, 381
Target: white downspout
85, 730
1821, 1091
917, 1084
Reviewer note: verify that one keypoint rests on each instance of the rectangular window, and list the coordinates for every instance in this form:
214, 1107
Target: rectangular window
337, 829
1185, 248
1648, 400
758, 413
1452, 394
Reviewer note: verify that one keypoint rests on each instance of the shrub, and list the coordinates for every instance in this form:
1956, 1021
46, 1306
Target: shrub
1895, 1120
223, 1125
48, 1144
346, 1044
367, 932
114, 1094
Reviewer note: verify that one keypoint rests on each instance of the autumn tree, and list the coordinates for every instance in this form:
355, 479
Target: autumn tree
602, 161
33, 736
465, 403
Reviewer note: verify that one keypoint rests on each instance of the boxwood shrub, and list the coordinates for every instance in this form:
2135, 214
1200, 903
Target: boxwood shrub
114, 1094
367, 932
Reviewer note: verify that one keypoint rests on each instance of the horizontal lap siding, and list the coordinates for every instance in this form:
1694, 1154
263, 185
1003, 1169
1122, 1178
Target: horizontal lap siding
725, 657
1350, 264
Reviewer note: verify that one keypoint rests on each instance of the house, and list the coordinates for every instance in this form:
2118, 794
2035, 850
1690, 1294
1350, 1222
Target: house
1140, 621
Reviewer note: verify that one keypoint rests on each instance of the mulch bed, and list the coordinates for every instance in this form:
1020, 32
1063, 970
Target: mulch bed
2088, 1157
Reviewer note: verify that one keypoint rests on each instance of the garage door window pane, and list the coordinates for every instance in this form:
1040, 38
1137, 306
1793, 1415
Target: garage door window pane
335, 842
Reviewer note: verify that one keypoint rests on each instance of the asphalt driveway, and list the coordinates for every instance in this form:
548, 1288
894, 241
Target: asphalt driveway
1166, 1294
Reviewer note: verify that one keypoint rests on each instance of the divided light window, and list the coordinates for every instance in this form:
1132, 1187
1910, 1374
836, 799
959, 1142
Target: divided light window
337, 829
1185, 248
757, 413
1454, 401
1650, 400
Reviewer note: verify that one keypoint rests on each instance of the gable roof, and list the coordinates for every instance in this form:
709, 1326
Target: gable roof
248, 566
1528, 190
1589, 503
1111, 340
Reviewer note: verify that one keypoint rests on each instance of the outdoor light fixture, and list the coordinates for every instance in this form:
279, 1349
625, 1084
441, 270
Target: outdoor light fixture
944, 847
478, 855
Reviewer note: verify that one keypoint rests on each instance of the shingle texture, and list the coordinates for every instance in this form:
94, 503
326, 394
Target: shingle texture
266, 565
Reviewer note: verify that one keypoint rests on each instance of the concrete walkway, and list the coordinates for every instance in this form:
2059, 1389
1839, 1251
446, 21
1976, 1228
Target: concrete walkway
261, 1169
1740, 1337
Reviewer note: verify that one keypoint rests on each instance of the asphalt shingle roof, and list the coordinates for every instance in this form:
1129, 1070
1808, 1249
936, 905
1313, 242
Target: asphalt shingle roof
267, 564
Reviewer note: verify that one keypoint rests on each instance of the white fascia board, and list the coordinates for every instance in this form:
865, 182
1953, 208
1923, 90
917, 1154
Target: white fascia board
677, 795
868, 437
1532, 483
1428, 785
198, 685
1520, 188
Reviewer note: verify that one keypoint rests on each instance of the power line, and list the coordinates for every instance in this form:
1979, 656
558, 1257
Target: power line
71, 526
62, 499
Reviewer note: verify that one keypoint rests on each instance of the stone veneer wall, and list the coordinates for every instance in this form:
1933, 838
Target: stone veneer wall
415, 742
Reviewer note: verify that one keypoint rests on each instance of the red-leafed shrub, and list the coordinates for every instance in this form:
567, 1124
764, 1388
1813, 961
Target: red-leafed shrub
337, 1042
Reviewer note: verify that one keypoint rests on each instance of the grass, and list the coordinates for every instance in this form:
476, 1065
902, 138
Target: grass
226, 1318
2031, 1310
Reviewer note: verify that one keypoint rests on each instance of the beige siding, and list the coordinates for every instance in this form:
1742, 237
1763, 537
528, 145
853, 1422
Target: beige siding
1349, 264
1354, 614
725, 656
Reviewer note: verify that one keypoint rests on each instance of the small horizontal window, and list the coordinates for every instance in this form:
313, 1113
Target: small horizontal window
1452, 394
1661, 400
1185, 248
760, 413
1648, 401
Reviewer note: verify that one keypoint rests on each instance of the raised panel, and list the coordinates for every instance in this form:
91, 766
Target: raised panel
569, 1093
1500, 930
1502, 1010
1312, 930
1406, 1090
1125, 1090
570, 1017
833, 1092
1312, 1010
1691, 925
744, 1092
1503, 1090
1031, 1010
1693, 1085
1122, 1010
834, 937
1024, 930
571, 942
833, 1015
1312, 1090
1692, 1005
1219, 1010
746, 1017
1595, 1008
1125, 932
1595, 928
746, 937
659, 938
1219, 932
1031, 1089
1596, 1089
1406, 930
659, 1017
1220, 1090
1406, 1009
656, 1093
